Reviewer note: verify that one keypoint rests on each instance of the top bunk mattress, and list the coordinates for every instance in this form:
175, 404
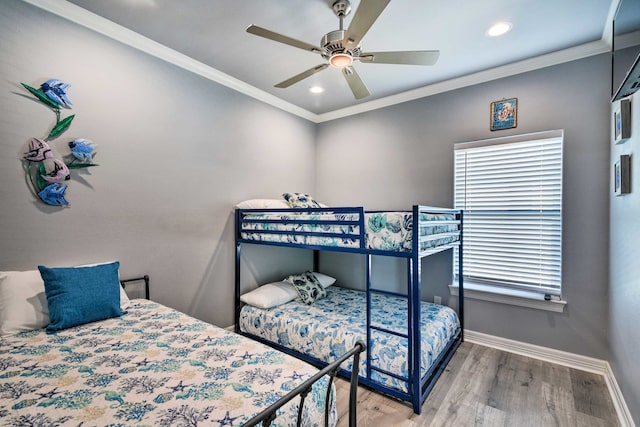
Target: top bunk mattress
151, 366
333, 324
383, 231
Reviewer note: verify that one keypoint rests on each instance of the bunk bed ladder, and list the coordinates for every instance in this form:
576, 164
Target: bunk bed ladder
413, 383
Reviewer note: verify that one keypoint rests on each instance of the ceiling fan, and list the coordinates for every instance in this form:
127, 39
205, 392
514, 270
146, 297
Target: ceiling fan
342, 47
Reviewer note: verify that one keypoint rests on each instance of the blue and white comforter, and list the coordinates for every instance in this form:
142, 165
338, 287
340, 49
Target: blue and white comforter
387, 231
332, 325
153, 366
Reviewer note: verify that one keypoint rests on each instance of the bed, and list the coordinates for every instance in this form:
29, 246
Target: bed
324, 337
404, 360
151, 365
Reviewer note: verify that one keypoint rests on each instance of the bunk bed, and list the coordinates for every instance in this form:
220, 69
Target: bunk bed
409, 341
150, 365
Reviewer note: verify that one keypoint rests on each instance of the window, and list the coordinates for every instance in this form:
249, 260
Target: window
511, 192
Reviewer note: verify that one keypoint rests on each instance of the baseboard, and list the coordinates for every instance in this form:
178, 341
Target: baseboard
618, 399
563, 358
571, 360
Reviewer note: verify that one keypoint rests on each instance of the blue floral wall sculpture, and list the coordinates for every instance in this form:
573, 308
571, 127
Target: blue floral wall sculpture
45, 172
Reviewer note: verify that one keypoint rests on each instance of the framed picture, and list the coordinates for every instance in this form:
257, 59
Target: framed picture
622, 175
622, 121
504, 114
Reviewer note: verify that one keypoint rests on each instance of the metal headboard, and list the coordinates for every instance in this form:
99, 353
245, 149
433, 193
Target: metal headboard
124, 282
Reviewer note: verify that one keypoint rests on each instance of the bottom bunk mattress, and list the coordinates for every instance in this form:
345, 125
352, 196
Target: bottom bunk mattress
151, 366
332, 325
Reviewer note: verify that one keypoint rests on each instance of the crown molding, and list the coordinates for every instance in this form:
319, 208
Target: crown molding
555, 58
607, 32
130, 38
83, 17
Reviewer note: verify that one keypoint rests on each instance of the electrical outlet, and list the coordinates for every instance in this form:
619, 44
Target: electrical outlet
437, 299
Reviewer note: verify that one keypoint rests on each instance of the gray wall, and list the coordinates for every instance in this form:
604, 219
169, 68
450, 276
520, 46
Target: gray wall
176, 152
401, 155
624, 292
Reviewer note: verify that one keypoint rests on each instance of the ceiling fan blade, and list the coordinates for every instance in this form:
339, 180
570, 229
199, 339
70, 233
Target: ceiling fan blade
364, 17
268, 34
355, 83
414, 57
301, 76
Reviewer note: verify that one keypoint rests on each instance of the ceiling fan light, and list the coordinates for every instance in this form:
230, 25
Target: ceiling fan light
341, 60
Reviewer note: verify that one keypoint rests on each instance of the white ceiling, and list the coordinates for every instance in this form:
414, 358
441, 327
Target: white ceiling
212, 32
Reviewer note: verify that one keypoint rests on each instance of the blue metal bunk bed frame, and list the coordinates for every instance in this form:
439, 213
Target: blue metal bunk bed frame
418, 387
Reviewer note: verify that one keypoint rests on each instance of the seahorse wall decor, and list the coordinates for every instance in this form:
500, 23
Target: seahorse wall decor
45, 172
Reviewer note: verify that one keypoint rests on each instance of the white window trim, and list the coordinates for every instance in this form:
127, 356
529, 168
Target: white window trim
504, 295
509, 296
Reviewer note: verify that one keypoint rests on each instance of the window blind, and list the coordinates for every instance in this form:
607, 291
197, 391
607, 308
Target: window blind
511, 194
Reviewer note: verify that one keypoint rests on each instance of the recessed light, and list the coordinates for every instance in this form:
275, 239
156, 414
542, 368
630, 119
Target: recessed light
499, 28
316, 89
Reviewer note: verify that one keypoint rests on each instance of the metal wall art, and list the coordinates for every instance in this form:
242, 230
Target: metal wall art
46, 173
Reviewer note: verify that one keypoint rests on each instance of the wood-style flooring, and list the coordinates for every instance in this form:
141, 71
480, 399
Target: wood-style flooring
483, 386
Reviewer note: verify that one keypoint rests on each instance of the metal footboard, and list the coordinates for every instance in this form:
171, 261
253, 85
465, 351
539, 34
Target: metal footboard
267, 416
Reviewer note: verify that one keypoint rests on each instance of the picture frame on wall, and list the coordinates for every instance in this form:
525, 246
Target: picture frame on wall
622, 175
622, 121
504, 114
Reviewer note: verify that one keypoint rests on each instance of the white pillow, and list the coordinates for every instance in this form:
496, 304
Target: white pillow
23, 303
325, 281
270, 295
263, 204
124, 298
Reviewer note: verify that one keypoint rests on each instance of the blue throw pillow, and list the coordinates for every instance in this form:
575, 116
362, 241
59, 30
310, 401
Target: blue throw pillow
78, 295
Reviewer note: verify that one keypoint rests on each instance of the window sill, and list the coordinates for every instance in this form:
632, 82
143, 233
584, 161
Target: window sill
509, 296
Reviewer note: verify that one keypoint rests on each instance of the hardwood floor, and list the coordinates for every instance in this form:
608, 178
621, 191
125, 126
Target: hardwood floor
486, 387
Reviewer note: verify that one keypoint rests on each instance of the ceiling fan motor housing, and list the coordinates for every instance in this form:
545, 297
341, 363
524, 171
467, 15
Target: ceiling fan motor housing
341, 8
331, 44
